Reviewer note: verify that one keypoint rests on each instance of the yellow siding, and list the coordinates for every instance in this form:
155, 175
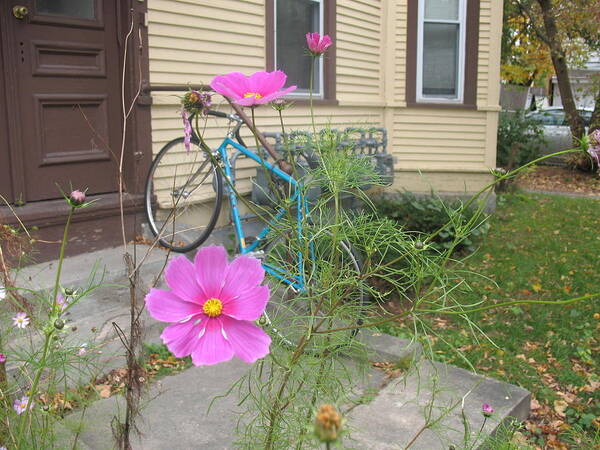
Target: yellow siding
358, 63
191, 41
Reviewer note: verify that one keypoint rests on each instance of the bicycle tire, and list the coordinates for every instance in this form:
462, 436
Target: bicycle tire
287, 310
187, 175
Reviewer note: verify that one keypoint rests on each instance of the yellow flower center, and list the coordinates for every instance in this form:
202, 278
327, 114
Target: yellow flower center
212, 307
255, 95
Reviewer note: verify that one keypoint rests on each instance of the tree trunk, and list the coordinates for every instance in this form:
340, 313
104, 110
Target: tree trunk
562, 71
595, 123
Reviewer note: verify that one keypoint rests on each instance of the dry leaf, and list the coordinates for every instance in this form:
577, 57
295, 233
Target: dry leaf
560, 406
103, 390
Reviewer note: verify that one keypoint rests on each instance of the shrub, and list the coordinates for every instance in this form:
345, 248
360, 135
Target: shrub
427, 214
520, 139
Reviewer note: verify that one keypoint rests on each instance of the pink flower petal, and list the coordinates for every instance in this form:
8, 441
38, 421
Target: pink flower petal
243, 273
249, 101
248, 341
212, 347
211, 264
181, 278
274, 95
248, 305
181, 338
234, 84
168, 307
266, 83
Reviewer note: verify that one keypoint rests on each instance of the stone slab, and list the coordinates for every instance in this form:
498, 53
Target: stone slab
398, 412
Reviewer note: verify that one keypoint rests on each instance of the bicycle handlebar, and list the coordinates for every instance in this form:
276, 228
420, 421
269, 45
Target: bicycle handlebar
210, 112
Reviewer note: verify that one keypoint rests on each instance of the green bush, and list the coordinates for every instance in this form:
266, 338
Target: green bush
427, 214
520, 139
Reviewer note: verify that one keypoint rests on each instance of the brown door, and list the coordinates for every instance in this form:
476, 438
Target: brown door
67, 67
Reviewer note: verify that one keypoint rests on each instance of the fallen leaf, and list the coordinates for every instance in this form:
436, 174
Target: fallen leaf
103, 390
560, 406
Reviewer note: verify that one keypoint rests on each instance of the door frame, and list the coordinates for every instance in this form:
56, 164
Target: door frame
138, 143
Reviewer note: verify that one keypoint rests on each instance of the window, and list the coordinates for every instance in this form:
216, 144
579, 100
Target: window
288, 21
442, 52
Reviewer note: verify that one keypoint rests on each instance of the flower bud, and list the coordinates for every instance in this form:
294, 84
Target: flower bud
59, 324
487, 410
77, 198
419, 245
328, 423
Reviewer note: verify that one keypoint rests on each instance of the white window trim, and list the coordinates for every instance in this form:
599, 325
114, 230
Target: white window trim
462, 32
321, 93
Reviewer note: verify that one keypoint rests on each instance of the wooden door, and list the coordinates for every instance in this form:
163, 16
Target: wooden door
67, 65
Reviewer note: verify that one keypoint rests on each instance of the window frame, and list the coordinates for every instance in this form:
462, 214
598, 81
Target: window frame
328, 69
469, 65
462, 25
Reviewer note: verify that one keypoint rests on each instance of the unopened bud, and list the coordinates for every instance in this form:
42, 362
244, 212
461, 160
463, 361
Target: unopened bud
59, 324
328, 423
419, 245
77, 198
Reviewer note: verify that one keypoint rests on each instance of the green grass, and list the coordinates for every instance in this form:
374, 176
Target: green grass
538, 247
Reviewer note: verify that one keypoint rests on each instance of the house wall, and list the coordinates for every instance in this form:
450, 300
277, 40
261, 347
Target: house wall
191, 41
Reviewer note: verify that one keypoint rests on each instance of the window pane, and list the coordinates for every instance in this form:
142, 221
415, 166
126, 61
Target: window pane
441, 9
440, 59
82, 9
295, 18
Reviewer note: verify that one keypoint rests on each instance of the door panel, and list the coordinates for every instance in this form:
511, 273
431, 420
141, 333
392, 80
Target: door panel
5, 176
68, 72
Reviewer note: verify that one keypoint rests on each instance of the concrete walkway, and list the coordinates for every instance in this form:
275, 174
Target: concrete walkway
175, 413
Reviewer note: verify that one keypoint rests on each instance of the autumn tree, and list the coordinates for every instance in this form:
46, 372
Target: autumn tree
565, 30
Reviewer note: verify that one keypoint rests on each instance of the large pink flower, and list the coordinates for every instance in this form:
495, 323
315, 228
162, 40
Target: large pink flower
256, 89
213, 304
317, 44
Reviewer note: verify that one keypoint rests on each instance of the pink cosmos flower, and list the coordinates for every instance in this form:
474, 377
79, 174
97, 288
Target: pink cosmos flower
256, 89
2, 358
82, 350
212, 304
487, 410
20, 405
317, 44
20, 320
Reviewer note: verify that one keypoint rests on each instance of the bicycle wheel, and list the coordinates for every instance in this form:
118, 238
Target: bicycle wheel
183, 196
328, 279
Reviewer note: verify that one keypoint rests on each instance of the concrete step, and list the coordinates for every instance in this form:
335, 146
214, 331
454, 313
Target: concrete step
452, 398
176, 415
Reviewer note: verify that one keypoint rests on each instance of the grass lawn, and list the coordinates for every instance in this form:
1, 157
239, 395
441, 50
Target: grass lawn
538, 247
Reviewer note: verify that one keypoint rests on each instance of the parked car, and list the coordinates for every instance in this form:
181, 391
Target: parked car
556, 128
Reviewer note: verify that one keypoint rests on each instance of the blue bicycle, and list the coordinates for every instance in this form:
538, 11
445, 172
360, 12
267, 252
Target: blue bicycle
183, 199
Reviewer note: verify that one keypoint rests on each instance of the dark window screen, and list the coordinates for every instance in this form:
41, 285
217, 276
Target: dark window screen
440, 59
82, 9
294, 19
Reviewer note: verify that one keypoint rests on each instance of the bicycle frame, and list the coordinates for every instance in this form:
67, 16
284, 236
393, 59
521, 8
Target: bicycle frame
296, 282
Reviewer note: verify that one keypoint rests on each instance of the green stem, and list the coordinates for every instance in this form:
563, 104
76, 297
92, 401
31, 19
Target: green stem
49, 332
61, 256
310, 92
483, 308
